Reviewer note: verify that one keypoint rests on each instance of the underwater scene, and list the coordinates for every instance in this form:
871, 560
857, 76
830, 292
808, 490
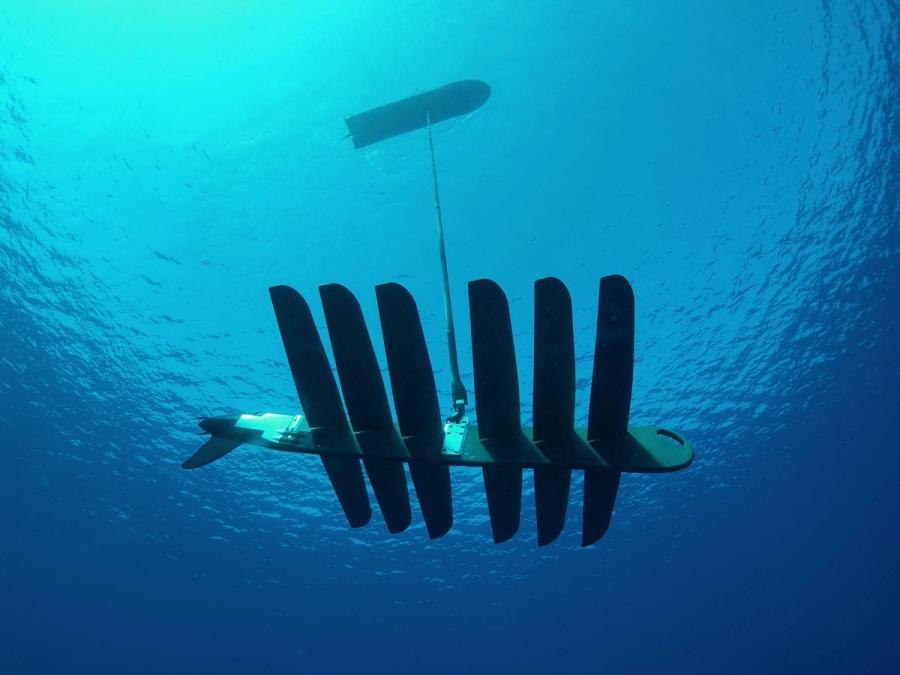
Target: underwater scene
241, 430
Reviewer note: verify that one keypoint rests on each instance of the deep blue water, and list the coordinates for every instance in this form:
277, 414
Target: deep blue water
738, 162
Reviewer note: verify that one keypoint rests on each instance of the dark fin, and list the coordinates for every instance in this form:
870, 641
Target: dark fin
319, 397
503, 487
613, 360
554, 402
409, 114
367, 403
497, 404
412, 380
315, 383
494, 358
610, 398
416, 402
389, 485
554, 360
357, 366
551, 498
600, 488
432, 483
345, 474
215, 448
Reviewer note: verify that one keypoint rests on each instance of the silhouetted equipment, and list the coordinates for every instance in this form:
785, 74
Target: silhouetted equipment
429, 445
366, 435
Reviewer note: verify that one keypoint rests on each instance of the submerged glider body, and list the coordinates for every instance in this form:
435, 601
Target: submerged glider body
365, 437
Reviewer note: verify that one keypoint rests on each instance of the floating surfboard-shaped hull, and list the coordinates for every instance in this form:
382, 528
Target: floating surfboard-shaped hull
366, 436
415, 112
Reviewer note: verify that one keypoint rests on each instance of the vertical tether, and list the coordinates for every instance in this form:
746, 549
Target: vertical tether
458, 391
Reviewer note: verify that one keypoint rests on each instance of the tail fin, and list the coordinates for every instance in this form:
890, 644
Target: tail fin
215, 448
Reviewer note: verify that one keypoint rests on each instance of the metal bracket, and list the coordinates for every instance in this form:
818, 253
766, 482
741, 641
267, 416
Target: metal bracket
296, 431
294, 425
455, 436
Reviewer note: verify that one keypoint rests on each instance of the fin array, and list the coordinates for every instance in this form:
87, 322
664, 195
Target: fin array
368, 433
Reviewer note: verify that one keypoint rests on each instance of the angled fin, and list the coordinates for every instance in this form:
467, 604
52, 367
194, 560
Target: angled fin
610, 404
503, 487
320, 399
494, 357
551, 498
600, 488
367, 403
554, 403
432, 483
215, 448
389, 485
497, 404
416, 402
613, 360
318, 392
412, 380
348, 483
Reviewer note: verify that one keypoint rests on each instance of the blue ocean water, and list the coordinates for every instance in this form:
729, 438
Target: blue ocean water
162, 166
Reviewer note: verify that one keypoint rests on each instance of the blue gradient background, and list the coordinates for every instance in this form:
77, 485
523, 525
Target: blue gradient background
160, 168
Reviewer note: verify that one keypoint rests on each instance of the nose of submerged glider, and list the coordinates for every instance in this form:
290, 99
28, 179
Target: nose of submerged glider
218, 426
